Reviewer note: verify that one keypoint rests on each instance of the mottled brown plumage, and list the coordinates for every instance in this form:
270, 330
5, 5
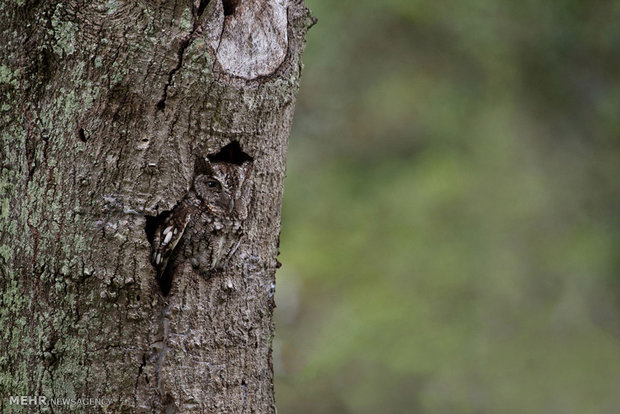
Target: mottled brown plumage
205, 228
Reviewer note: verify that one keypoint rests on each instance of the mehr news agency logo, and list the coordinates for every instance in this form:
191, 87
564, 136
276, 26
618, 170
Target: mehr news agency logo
41, 400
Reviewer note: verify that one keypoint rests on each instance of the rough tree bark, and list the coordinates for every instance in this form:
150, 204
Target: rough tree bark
104, 107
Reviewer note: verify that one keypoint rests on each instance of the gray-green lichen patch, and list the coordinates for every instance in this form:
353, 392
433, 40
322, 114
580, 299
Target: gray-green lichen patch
9, 76
112, 6
197, 62
64, 32
185, 21
5, 253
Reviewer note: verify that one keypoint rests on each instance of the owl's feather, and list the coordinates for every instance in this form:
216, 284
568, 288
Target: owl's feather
167, 237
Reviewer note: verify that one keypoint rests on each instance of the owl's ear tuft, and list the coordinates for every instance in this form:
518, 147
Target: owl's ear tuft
203, 166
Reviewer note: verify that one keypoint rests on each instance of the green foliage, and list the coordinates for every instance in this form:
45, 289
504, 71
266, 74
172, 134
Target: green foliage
450, 228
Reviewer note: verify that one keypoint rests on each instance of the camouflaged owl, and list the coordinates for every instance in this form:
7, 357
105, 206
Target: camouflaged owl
204, 228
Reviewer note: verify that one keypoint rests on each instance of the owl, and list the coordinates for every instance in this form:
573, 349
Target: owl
206, 226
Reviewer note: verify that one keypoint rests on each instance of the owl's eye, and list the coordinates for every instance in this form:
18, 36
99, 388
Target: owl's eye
213, 184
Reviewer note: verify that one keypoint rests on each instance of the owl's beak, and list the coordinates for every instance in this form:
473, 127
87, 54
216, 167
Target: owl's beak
231, 206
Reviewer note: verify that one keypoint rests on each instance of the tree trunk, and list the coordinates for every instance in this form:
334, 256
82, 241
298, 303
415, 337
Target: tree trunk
105, 108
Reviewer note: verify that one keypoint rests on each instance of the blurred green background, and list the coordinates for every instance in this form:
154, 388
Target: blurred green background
451, 226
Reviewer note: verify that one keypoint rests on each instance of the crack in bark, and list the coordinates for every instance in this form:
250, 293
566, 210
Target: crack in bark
244, 387
140, 371
197, 10
161, 105
199, 7
161, 355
